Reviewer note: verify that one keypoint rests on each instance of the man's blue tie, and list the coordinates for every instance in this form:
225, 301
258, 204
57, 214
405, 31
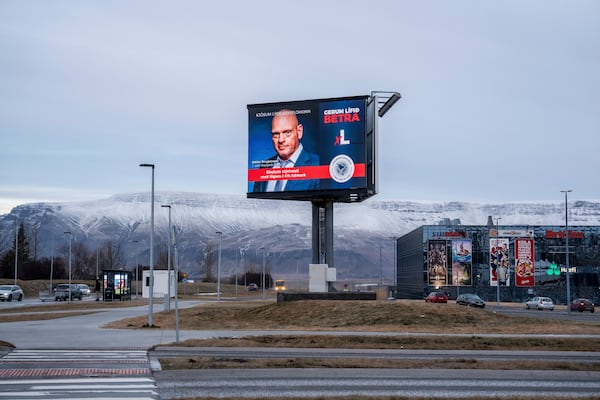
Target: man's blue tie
279, 184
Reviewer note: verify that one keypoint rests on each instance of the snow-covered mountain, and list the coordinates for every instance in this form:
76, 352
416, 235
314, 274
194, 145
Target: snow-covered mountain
363, 231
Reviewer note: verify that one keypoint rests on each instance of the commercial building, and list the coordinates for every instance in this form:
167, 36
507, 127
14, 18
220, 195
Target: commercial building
524, 260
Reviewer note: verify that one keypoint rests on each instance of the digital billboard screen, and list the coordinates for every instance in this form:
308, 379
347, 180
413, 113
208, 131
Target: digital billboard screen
312, 149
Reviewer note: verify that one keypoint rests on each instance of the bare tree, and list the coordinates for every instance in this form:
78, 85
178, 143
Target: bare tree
207, 261
112, 256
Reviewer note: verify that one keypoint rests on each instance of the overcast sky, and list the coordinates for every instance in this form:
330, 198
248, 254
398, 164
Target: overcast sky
501, 99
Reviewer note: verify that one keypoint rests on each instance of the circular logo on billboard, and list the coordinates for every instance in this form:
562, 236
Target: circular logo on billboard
341, 168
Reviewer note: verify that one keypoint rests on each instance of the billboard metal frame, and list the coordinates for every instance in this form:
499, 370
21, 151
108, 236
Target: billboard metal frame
375, 106
364, 147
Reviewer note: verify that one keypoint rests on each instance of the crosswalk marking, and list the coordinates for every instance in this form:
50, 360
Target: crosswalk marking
77, 374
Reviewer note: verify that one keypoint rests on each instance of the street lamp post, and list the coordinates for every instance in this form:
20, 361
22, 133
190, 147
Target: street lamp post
168, 305
70, 240
567, 251
394, 238
297, 275
151, 295
380, 266
498, 261
176, 268
219, 268
262, 279
16, 250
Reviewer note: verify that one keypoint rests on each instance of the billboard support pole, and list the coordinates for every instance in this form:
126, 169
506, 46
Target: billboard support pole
316, 248
322, 232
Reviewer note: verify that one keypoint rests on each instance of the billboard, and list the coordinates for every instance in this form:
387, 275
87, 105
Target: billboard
462, 261
524, 262
499, 262
312, 149
437, 268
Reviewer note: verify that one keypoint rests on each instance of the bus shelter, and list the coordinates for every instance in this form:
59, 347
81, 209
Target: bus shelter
116, 285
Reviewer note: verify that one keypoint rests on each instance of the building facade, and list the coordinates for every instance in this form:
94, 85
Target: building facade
506, 263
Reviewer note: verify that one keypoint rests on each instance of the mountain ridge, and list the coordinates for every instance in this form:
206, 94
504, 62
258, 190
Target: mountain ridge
362, 231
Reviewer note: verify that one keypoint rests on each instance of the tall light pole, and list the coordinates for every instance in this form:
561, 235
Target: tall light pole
262, 278
176, 268
168, 261
380, 266
497, 262
70, 240
242, 253
567, 251
219, 234
16, 250
394, 239
151, 248
297, 275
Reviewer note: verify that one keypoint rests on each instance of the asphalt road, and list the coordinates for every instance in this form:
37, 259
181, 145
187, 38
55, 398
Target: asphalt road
329, 382
70, 334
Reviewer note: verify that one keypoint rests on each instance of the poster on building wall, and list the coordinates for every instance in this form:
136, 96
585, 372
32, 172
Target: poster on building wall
437, 268
524, 262
499, 262
462, 258
437, 264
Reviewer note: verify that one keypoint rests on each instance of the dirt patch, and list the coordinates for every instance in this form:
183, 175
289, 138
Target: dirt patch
395, 316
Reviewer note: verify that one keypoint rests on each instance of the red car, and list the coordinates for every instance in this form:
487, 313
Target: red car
436, 297
582, 305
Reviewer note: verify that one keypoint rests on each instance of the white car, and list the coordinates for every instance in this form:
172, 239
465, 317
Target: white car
10, 293
85, 289
540, 303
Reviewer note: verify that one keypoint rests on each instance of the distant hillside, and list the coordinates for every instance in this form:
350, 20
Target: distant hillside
362, 241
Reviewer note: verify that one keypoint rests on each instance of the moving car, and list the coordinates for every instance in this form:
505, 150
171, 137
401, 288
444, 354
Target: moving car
252, 287
279, 285
85, 289
10, 293
471, 300
582, 305
61, 293
540, 303
436, 297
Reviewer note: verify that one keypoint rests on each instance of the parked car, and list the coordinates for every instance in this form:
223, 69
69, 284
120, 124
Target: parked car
85, 289
11, 292
252, 287
470, 299
61, 292
540, 303
436, 297
582, 305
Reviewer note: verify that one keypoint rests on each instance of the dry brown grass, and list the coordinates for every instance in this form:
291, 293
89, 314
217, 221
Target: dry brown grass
558, 397
396, 316
179, 363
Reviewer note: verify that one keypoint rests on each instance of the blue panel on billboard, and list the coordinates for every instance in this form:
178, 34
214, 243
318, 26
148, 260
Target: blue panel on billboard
310, 150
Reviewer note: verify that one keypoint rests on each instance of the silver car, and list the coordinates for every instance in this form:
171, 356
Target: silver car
540, 303
10, 293
85, 289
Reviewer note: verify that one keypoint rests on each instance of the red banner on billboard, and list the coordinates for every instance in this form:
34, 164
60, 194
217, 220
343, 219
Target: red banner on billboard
524, 262
297, 173
561, 234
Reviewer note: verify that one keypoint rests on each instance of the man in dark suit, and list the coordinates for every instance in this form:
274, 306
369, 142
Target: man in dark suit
286, 133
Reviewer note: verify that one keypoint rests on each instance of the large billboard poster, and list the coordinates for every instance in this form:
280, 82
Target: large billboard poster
310, 149
499, 262
437, 268
462, 262
524, 262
